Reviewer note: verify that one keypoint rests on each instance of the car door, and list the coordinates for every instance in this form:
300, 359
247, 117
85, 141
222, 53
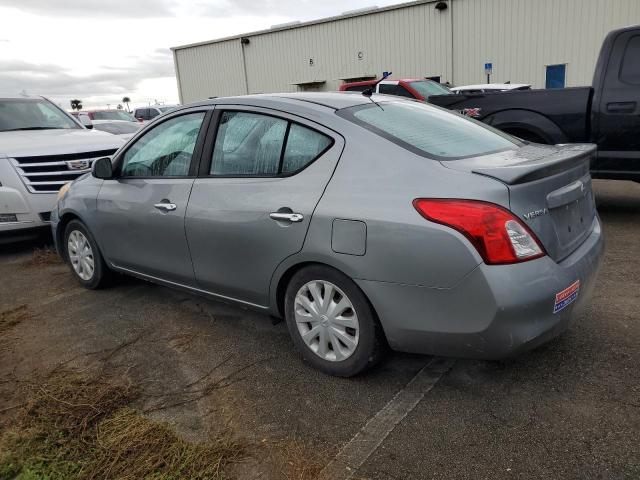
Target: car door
617, 116
250, 208
141, 211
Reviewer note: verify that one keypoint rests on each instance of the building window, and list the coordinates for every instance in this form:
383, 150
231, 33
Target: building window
556, 75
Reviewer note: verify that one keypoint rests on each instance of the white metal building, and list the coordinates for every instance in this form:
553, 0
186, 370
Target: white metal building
541, 42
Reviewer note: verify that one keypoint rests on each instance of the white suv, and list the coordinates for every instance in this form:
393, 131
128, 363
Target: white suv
41, 148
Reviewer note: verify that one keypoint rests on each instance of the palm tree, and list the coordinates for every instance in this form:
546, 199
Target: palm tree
76, 104
119, 107
126, 101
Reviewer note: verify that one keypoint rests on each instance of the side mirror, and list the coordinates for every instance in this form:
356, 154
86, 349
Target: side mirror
102, 168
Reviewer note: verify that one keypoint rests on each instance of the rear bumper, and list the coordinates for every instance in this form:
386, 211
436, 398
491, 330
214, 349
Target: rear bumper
494, 312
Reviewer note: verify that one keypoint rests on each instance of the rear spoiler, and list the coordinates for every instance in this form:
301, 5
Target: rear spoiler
551, 160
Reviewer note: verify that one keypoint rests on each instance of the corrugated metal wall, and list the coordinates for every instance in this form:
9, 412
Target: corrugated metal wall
410, 41
520, 37
212, 70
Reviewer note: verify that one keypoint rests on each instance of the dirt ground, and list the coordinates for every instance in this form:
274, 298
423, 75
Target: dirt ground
570, 409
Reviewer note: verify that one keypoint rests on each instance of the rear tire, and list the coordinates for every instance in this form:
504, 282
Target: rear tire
84, 257
331, 322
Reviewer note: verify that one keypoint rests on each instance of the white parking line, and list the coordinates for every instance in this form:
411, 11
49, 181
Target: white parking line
369, 438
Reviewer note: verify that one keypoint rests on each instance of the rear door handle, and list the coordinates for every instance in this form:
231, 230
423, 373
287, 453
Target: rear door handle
621, 107
166, 206
286, 217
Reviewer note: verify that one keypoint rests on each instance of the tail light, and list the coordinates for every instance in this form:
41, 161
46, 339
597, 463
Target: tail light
498, 235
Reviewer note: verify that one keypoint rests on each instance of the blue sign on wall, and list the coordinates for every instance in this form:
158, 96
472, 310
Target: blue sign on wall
555, 76
488, 67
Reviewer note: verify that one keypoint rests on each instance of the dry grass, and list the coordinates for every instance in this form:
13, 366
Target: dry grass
291, 459
77, 427
12, 317
44, 256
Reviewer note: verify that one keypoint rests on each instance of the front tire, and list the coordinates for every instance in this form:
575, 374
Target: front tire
331, 322
84, 256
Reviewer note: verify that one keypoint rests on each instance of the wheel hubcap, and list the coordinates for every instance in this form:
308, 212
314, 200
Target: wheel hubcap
326, 320
80, 255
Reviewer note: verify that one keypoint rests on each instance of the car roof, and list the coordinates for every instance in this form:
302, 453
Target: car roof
492, 86
393, 81
20, 95
331, 100
105, 110
102, 122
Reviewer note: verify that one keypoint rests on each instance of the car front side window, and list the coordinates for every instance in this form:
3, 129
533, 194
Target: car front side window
166, 150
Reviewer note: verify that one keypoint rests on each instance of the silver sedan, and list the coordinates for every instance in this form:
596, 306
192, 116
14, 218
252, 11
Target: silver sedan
365, 221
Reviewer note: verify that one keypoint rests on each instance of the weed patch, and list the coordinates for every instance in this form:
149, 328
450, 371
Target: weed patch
75, 426
44, 256
12, 317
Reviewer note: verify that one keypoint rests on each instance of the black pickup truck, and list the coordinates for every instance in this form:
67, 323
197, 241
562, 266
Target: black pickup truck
607, 113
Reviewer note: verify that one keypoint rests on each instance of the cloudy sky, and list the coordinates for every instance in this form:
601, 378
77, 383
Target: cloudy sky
100, 51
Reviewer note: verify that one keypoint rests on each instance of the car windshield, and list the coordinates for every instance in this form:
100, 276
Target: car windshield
428, 130
115, 115
32, 114
117, 128
165, 109
426, 88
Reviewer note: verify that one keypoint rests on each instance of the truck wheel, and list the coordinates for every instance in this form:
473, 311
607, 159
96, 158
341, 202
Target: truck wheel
331, 322
84, 256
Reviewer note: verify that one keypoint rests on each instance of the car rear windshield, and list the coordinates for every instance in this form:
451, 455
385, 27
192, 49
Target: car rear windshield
428, 130
117, 128
426, 88
117, 115
32, 114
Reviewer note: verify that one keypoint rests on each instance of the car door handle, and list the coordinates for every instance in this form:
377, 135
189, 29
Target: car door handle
166, 206
286, 217
621, 107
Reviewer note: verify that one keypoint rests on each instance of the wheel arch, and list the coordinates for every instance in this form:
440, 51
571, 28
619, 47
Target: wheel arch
65, 219
526, 121
287, 271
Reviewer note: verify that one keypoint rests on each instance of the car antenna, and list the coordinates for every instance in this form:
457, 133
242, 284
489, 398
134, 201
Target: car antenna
369, 91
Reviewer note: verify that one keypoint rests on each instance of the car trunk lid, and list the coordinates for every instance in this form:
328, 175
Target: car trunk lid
549, 190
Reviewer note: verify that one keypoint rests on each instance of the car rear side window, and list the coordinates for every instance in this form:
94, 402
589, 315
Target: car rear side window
164, 151
303, 146
428, 130
253, 144
397, 90
630, 69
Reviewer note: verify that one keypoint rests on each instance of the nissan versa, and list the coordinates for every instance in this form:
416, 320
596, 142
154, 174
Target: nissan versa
364, 221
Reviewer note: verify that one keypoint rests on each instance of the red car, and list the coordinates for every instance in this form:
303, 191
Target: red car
418, 88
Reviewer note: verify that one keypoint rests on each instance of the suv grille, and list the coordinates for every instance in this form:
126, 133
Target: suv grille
47, 173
